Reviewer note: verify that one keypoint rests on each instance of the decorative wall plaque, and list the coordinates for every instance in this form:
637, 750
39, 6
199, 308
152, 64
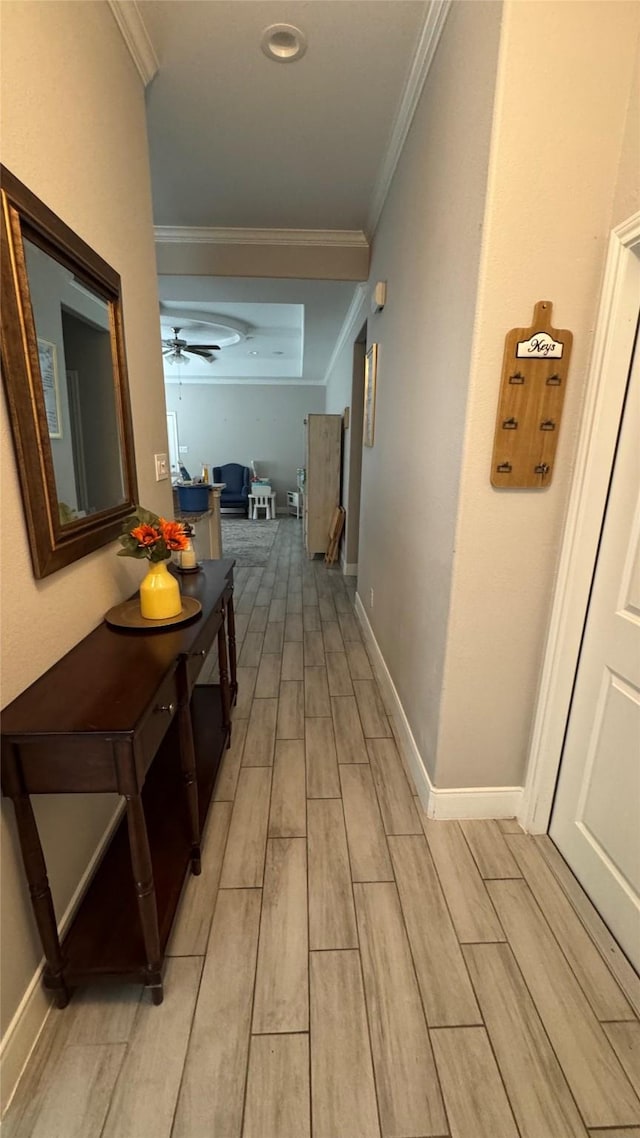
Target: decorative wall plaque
534, 378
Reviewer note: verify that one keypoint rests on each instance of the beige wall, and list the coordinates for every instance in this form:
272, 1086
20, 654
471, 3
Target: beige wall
625, 202
339, 395
427, 248
299, 262
73, 130
238, 422
463, 574
563, 129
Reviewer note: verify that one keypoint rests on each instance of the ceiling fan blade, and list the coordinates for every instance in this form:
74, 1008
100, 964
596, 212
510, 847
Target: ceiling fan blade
208, 356
202, 347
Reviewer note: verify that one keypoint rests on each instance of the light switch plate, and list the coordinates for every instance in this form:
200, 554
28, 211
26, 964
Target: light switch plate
162, 467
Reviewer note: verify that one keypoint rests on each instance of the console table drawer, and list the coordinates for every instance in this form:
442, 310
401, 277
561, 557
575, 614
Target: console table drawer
88, 763
155, 725
200, 648
80, 765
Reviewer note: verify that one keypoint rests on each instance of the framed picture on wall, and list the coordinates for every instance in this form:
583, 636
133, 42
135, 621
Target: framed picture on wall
370, 371
47, 354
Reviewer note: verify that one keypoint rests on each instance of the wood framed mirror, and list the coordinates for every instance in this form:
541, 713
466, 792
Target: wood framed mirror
65, 377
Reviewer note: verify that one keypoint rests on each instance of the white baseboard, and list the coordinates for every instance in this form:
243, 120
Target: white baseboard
350, 569
438, 802
22, 1035
475, 802
391, 698
31, 1015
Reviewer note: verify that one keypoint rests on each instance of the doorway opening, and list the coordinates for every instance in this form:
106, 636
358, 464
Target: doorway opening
352, 474
174, 445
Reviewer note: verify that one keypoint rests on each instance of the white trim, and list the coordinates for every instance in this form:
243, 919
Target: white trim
605, 391
243, 381
349, 569
475, 802
134, 33
436, 15
31, 1015
353, 316
438, 802
392, 702
22, 1035
208, 235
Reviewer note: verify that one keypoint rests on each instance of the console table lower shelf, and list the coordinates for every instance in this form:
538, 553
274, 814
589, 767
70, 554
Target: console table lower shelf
104, 943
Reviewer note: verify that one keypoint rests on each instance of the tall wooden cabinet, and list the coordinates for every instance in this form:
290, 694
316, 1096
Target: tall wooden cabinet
323, 441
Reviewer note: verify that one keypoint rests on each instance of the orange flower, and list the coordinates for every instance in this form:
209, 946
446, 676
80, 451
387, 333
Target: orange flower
145, 535
173, 534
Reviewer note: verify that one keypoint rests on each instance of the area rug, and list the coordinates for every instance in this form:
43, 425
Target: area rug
249, 543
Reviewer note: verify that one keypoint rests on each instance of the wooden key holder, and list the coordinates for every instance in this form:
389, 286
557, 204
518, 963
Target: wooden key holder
534, 378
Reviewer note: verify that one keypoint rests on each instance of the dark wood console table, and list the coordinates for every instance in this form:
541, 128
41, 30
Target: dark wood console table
121, 713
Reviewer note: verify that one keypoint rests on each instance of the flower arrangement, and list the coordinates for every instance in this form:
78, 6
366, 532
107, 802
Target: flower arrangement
149, 536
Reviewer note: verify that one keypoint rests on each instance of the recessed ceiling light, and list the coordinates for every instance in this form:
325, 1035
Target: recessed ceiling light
283, 42
252, 353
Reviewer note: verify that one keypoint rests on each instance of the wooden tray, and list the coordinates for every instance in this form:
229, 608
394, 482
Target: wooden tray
127, 615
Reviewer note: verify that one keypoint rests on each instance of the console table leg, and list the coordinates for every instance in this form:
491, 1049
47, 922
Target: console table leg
145, 892
231, 632
225, 692
188, 767
41, 900
157, 993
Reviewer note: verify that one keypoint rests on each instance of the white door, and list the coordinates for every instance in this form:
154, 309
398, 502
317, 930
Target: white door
596, 812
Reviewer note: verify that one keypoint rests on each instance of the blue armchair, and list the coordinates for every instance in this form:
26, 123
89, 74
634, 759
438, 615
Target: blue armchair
235, 495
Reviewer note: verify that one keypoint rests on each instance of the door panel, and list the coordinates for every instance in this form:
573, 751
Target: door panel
608, 823
596, 814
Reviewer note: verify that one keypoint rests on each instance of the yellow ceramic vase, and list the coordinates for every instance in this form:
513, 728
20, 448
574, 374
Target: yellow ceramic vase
159, 593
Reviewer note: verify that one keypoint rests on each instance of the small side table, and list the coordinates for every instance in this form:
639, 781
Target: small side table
294, 502
266, 502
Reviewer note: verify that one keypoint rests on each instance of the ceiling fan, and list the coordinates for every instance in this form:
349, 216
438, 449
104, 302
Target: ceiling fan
174, 350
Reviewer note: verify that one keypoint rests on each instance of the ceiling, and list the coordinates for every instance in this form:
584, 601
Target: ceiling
301, 319
240, 141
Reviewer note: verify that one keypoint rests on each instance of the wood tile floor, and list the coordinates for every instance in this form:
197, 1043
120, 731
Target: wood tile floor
344, 967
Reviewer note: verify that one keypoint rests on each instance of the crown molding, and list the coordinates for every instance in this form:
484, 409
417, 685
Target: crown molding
359, 296
207, 235
134, 33
422, 60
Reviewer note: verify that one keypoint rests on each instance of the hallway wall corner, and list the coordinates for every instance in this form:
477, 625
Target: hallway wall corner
455, 802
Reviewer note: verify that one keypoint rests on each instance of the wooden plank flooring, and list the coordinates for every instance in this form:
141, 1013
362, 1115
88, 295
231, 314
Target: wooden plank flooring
345, 967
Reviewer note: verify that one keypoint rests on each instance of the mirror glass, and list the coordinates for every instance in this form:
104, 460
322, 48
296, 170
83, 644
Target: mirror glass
65, 379
76, 371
